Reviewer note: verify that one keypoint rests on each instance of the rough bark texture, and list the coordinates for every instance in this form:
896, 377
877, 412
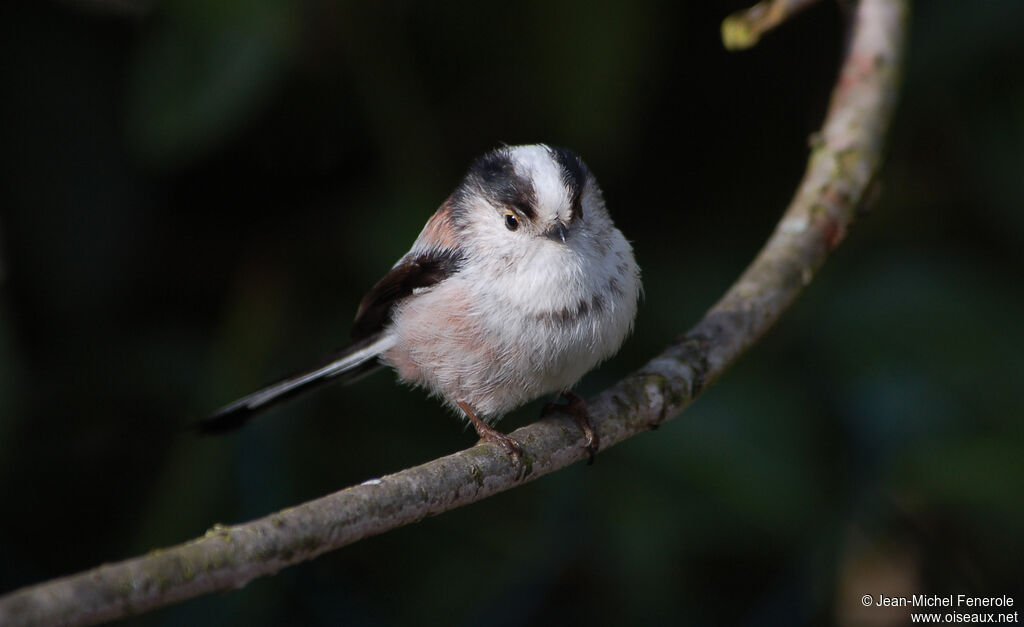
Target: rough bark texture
846, 153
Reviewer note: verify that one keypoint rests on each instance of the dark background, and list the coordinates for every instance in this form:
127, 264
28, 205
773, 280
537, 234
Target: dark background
196, 194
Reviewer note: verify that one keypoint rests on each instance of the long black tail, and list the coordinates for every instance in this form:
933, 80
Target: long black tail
346, 364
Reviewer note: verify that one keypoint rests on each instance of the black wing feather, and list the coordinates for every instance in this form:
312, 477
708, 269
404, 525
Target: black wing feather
415, 272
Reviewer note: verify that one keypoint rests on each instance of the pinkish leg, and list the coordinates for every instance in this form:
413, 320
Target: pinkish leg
488, 433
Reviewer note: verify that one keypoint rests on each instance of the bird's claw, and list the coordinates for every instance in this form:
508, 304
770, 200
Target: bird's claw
511, 446
577, 408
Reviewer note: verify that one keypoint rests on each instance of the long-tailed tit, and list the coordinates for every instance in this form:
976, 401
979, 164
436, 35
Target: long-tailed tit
517, 286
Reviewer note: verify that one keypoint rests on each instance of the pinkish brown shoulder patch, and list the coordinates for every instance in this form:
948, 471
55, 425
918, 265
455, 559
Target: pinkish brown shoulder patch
439, 230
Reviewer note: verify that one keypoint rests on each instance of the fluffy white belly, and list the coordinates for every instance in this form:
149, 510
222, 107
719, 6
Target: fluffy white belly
499, 357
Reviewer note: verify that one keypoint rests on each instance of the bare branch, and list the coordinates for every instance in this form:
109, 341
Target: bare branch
845, 155
743, 29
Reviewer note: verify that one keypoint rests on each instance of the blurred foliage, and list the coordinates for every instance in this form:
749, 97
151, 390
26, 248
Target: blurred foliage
200, 71
196, 194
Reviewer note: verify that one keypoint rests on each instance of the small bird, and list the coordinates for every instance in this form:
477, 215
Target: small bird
516, 287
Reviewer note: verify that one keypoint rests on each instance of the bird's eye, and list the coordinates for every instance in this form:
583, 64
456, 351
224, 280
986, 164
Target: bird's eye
511, 222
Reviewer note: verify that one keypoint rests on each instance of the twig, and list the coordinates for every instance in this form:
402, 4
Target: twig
845, 156
743, 29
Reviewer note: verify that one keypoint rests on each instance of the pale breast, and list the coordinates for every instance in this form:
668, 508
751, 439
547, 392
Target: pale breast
497, 341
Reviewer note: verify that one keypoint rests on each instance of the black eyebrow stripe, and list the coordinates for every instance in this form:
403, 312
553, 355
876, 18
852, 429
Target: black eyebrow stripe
574, 176
496, 177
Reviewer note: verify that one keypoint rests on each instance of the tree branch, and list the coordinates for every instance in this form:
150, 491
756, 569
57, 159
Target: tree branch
845, 155
743, 29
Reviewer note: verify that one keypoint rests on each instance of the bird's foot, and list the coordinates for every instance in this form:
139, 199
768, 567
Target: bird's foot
511, 446
488, 433
577, 408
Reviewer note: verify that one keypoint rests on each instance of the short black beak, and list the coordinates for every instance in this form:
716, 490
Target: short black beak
558, 232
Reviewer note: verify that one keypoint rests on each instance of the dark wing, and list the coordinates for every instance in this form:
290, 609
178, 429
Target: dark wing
414, 272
